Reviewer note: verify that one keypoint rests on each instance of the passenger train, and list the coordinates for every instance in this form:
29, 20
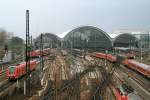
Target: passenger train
137, 66
37, 53
17, 71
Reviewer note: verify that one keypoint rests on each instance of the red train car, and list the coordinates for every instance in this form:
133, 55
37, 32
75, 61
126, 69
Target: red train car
140, 67
118, 94
99, 55
14, 72
111, 58
36, 53
108, 57
46, 51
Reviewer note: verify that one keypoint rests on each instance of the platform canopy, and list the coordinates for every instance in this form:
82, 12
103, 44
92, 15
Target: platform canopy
126, 40
87, 37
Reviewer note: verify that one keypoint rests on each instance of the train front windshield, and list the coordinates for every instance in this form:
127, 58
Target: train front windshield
12, 69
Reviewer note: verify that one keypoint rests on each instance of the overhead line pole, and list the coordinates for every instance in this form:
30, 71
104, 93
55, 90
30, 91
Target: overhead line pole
27, 54
148, 43
31, 41
41, 51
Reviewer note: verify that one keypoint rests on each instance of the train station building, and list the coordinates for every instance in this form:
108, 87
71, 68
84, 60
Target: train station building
49, 40
126, 40
91, 37
87, 37
138, 38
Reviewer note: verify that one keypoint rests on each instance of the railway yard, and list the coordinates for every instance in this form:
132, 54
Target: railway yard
85, 64
75, 50
97, 76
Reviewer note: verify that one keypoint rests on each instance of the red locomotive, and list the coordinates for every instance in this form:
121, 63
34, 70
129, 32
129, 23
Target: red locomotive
14, 72
140, 67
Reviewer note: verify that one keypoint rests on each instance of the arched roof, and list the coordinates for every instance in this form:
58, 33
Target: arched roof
125, 40
50, 36
48, 39
93, 35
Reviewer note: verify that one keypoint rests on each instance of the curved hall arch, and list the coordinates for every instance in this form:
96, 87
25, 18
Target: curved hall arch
126, 40
50, 40
88, 37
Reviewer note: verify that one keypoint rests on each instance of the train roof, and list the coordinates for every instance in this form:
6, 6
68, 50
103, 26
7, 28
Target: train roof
12, 66
99, 52
37, 50
147, 67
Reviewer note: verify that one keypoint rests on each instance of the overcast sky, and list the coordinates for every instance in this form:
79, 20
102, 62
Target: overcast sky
57, 16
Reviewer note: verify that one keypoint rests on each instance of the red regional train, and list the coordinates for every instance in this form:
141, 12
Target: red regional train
140, 67
108, 57
121, 94
36, 53
14, 72
118, 94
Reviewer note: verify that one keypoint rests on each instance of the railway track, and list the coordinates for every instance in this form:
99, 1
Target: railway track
139, 86
6, 84
131, 90
70, 86
141, 80
104, 82
6, 88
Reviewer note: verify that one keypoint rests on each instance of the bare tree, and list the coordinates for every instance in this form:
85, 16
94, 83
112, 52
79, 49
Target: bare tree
3, 37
